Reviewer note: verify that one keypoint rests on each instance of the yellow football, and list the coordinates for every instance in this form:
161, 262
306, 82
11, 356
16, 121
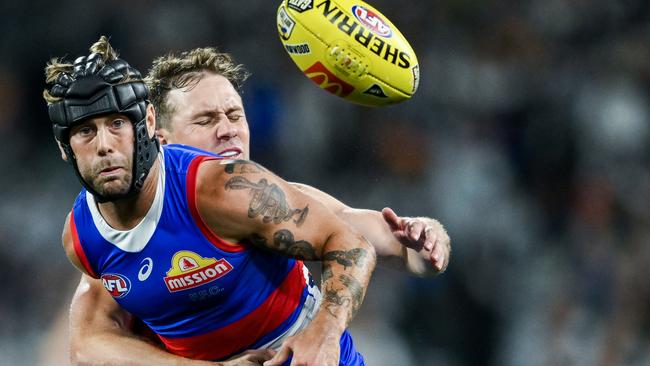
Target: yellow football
350, 49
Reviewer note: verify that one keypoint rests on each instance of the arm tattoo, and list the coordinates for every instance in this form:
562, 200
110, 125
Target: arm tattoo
327, 272
268, 201
346, 259
242, 166
335, 297
284, 242
356, 290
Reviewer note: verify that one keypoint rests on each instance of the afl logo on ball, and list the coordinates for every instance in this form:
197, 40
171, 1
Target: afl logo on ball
117, 285
372, 21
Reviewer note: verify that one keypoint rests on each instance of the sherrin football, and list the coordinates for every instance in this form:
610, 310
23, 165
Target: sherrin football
350, 49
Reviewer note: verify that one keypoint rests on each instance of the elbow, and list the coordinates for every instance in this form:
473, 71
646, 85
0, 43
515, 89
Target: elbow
371, 253
81, 352
78, 357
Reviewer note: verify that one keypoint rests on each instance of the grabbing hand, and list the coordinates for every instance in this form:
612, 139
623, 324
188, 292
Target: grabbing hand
308, 350
253, 357
425, 236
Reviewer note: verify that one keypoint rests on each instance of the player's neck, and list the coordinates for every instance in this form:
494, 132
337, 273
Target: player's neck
126, 213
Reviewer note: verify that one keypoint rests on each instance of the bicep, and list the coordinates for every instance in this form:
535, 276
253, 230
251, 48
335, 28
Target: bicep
264, 209
94, 310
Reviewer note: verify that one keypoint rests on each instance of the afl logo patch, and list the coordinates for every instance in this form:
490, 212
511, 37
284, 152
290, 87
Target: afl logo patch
116, 284
372, 21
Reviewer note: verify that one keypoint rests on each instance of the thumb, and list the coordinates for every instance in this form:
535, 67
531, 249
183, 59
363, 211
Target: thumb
391, 218
279, 358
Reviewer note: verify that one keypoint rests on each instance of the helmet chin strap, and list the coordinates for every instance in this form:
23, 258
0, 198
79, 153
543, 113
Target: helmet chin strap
92, 91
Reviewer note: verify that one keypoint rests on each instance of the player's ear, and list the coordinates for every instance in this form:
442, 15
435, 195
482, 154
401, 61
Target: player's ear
163, 135
151, 119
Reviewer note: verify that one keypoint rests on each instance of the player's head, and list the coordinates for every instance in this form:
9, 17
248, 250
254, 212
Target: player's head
197, 101
102, 121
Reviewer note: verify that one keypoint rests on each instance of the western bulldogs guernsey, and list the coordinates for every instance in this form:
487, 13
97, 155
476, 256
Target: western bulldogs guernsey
204, 298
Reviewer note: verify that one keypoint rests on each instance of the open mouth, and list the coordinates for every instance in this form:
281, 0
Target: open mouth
232, 153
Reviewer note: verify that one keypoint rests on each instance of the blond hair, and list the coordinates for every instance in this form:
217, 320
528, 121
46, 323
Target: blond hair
56, 67
184, 70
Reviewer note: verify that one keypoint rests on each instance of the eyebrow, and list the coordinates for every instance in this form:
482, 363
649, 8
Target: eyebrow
212, 113
203, 113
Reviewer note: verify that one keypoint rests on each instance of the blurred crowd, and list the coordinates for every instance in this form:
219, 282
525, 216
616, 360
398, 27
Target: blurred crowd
529, 139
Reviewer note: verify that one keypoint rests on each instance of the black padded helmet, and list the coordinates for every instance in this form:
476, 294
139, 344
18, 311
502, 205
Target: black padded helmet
97, 88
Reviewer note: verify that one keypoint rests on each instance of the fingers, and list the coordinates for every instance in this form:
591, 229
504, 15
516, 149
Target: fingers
430, 239
260, 355
280, 357
391, 219
439, 256
416, 231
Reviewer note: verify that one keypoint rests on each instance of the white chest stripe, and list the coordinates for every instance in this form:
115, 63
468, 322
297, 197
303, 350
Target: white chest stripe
136, 239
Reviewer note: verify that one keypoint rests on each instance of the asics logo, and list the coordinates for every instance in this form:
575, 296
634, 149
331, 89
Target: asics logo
146, 269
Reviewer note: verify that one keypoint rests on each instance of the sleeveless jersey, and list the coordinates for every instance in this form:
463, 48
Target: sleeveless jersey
204, 298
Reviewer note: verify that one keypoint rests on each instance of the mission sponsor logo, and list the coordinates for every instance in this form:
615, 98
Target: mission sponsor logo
300, 5
298, 49
320, 75
116, 284
364, 34
372, 21
190, 270
285, 24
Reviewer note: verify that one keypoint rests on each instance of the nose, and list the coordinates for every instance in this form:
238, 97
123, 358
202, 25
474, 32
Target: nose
226, 130
103, 139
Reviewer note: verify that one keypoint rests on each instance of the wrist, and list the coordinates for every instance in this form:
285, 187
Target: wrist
326, 324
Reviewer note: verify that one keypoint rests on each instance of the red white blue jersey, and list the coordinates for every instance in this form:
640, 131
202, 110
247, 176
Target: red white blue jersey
204, 298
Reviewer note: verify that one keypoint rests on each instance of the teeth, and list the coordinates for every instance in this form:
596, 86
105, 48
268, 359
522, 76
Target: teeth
227, 154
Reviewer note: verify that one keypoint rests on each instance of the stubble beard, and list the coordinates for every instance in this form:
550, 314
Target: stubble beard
111, 188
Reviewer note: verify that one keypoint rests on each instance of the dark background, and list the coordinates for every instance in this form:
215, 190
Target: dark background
528, 139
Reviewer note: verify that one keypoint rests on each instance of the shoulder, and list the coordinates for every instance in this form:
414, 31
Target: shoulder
72, 246
223, 194
68, 243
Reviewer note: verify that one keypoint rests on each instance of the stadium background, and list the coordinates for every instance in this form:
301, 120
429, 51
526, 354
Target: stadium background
528, 139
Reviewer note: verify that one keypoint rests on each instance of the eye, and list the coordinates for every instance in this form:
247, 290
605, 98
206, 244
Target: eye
84, 131
203, 122
118, 123
235, 117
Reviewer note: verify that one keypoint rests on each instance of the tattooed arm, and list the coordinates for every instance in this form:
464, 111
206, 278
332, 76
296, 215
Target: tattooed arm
417, 244
241, 201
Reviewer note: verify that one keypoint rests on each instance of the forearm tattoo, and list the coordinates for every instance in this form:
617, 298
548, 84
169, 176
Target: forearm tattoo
268, 201
242, 167
336, 298
347, 259
284, 242
327, 272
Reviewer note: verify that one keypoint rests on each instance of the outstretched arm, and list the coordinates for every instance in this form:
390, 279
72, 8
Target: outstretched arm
101, 334
418, 244
241, 201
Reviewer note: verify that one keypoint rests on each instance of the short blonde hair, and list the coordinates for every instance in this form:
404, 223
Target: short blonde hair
175, 71
56, 67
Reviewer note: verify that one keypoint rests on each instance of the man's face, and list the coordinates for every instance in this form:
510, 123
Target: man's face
208, 115
103, 148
